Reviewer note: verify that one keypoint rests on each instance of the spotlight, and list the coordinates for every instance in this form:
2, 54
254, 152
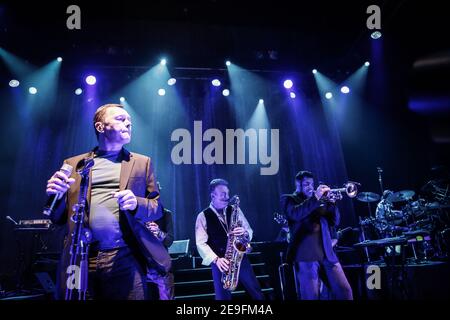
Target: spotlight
288, 84
261, 101
226, 92
228, 63
367, 63
163, 62
14, 83
91, 80
314, 71
328, 95
171, 81
122, 99
32, 90
216, 82
345, 89
78, 91
161, 92
375, 35
292, 95
59, 59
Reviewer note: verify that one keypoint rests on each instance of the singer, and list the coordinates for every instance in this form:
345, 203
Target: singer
122, 246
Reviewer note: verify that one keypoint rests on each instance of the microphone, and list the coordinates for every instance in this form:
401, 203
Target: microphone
11, 219
51, 201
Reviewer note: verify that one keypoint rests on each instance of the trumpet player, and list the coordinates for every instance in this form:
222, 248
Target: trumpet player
311, 221
211, 236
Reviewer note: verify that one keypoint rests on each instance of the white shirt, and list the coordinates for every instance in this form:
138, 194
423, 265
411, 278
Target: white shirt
201, 235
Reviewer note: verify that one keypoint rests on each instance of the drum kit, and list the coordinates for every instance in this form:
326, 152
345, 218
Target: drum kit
423, 222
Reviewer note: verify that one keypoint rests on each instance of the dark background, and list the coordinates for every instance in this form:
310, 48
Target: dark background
120, 41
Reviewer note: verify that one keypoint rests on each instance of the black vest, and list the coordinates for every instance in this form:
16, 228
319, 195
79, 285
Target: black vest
217, 237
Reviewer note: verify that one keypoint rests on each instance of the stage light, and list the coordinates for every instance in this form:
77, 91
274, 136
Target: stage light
122, 99
328, 95
216, 82
345, 89
14, 83
228, 63
261, 101
32, 90
171, 81
288, 84
375, 35
163, 62
367, 63
292, 95
78, 91
314, 71
59, 59
226, 92
161, 92
91, 80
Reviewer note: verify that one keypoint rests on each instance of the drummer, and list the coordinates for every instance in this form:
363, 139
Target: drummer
386, 216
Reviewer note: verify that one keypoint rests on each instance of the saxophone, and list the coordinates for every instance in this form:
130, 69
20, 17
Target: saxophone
237, 246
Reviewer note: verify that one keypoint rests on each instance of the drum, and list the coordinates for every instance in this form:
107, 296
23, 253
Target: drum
395, 217
371, 228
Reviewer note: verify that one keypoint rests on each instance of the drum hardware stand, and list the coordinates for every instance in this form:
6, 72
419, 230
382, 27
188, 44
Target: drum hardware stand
363, 238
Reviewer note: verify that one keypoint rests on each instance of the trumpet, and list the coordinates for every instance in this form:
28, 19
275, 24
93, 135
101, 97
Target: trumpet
350, 189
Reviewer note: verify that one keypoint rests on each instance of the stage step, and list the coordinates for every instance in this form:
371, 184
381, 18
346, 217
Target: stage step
204, 273
194, 280
238, 294
207, 286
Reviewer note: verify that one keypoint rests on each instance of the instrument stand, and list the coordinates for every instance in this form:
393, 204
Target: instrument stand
29, 243
282, 275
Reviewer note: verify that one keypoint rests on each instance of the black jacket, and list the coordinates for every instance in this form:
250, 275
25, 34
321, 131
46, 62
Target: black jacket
304, 216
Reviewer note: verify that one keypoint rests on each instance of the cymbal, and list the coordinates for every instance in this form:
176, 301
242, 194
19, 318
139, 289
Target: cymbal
403, 195
368, 197
436, 205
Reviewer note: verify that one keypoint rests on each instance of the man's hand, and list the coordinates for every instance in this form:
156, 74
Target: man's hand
222, 264
59, 183
126, 199
154, 228
321, 190
238, 231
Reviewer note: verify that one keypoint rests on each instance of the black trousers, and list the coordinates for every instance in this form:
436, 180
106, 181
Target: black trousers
246, 277
116, 275
308, 276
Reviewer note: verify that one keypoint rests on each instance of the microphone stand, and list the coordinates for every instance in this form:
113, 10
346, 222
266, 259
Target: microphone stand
380, 179
81, 238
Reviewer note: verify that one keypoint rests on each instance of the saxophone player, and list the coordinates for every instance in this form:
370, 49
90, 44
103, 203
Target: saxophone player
211, 236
